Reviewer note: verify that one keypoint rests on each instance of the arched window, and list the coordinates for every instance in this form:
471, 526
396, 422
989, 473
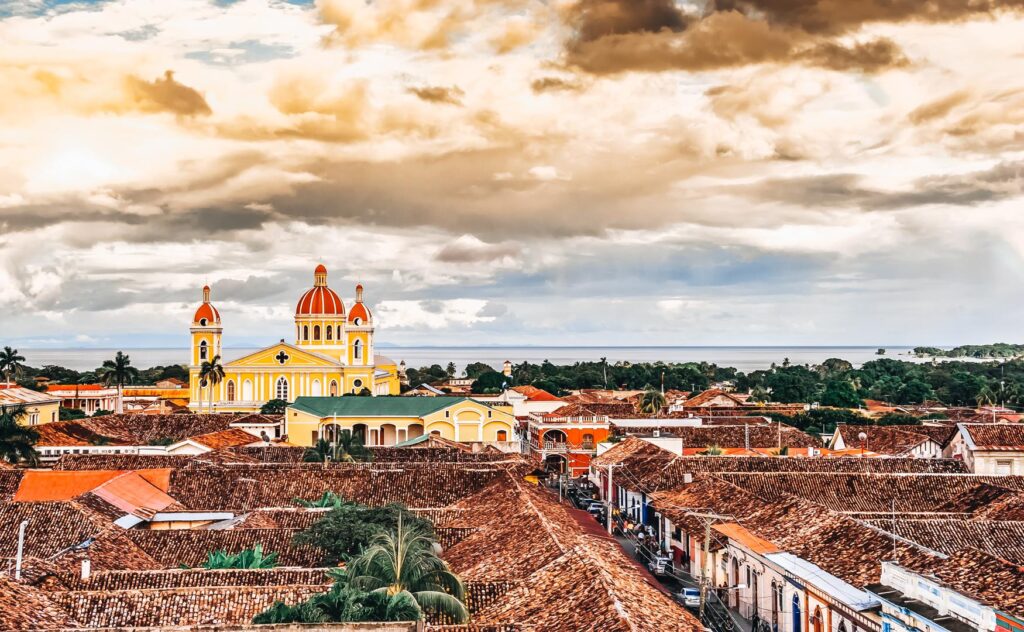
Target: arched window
305, 332
316, 389
316, 332
203, 350
282, 389
230, 388
334, 388
339, 332
588, 441
502, 435
330, 332
818, 619
247, 391
797, 616
357, 349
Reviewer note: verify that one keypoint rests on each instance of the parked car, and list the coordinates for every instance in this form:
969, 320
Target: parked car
660, 565
690, 597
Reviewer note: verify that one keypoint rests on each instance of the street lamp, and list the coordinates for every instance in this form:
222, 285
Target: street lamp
863, 436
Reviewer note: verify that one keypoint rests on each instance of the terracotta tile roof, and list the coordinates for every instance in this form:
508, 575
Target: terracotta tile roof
704, 398
1003, 539
892, 440
27, 608
65, 485
133, 429
243, 487
230, 438
865, 493
175, 607
52, 527
535, 394
192, 578
190, 547
996, 436
977, 498
82, 462
760, 436
984, 577
575, 409
10, 480
737, 533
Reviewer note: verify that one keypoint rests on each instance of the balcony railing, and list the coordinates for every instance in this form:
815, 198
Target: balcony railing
555, 447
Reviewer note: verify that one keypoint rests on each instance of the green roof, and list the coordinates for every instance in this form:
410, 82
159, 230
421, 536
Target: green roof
414, 441
380, 406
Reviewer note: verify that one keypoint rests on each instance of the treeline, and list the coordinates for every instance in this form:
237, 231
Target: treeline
997, 350
26, 375
834, 382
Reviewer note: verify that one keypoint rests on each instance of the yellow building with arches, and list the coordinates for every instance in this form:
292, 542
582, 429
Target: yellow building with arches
386, 421
333, 354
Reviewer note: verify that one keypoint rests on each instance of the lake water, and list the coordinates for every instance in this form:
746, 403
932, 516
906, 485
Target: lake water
743, 358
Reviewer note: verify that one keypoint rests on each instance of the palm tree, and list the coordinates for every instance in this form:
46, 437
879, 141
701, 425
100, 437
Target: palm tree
985, 396
212, 374
16, 440
118, 371
248, 558
713, 450
10, 363
346, 447
651, 401
403, 564
328, 500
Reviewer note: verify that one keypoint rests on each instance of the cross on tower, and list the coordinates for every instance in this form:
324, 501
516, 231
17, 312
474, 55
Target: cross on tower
281, 357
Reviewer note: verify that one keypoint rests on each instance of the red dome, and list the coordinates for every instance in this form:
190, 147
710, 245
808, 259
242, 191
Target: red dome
360, 311
320, 300
207, 314
320, 269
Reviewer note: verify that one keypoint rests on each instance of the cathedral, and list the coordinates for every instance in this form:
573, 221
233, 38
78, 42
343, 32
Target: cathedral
333, 354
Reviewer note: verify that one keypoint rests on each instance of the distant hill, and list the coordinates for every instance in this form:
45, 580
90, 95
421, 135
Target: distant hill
997, 350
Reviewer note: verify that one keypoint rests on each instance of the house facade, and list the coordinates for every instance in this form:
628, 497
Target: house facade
386, 421
40, 408
991, 449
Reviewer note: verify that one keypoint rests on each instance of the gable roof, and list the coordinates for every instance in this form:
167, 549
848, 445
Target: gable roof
702, 399
1009, 437
380, 406
535, 394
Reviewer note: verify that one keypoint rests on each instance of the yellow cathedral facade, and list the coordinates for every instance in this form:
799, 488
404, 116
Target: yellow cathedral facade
333, 354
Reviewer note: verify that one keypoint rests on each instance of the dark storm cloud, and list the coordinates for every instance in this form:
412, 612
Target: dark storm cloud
611, 36
1003, 181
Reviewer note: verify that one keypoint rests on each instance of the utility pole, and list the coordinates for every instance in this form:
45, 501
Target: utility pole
705, 575
21, 549
611, 494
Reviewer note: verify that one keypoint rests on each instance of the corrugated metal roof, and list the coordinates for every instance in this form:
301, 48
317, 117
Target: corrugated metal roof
824, 581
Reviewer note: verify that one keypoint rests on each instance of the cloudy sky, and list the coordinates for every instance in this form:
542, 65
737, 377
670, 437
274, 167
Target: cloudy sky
604, 172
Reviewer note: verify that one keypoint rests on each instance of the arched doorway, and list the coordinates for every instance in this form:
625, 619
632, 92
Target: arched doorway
359, 430
388, 434
818, 619
414, 430
555, 463
797, 617
334, 388
734, 595
553, 439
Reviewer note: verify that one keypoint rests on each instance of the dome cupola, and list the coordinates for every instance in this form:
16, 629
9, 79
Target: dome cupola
207, 314
359, 314
320, 300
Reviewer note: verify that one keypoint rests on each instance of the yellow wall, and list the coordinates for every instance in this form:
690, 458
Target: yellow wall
473, 421
47, 413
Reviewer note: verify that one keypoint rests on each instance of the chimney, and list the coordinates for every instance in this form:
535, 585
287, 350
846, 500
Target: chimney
86, 568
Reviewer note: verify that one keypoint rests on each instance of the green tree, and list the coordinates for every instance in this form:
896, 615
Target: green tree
792, 384
915, 391
67, 414
118, 371
248, 558
274, 407
346, 530
651, 402
17, 441
476, 369
211, 373
10, 363
347, 447
489, 382
840, 394
403, 562
329, 500
451, 370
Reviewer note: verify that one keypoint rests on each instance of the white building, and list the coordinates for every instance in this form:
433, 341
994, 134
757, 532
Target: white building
991, 449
